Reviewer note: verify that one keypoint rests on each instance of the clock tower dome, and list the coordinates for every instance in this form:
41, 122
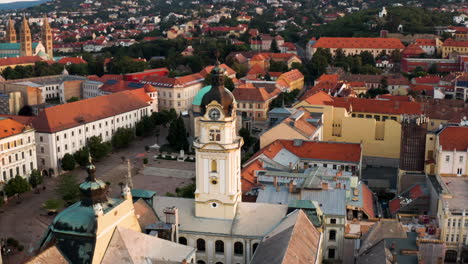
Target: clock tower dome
218, 149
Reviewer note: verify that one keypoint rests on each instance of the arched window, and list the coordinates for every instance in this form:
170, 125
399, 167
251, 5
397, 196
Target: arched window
219, 262
219, 246
200, 244
254, 247
200, 262
182, 240
332, 235
214, 166
238, 248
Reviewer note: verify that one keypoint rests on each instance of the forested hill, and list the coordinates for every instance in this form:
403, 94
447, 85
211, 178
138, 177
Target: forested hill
21, 5
367, 23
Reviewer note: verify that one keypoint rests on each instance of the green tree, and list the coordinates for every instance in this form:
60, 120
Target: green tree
248, 139
123, 137
68, 188
433, 69
177, 136
68, 162
73, 99
396, 55
125, 64
81, 156
97, 148
145, 127
160, 118
16, 185
278, 66
188, 191
274, 47
367, 58
35, 178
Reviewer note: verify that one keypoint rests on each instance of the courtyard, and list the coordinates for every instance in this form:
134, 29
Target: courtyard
25, 220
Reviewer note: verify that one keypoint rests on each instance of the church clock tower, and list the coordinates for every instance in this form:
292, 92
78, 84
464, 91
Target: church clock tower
218, 153
46, 36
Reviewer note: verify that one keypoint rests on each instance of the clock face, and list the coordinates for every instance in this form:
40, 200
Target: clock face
214, 114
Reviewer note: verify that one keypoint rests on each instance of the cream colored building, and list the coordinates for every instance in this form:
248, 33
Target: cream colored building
17, 150
177, 93
222, 227
452, 217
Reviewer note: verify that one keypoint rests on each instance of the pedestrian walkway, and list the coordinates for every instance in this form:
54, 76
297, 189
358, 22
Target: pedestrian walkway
165, 172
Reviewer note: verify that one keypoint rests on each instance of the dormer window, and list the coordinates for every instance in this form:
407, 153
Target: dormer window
215, 135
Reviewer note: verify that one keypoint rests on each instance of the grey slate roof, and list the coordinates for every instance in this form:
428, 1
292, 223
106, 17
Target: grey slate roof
251, 220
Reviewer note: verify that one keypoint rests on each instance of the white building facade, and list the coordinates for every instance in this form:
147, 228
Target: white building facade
17, 150
53, 143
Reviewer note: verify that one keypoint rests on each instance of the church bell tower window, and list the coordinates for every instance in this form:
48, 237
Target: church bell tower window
215, 135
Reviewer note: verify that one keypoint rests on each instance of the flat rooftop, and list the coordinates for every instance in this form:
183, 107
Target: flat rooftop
458, 188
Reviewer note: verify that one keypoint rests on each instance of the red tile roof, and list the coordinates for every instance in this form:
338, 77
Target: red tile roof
249, 180
252, 94
292, 75
427, 79
413, 50
454, 138
328, 77
359, 43
19, 60
10, 127
320, 150
455, 43
65, 116
426, 42
208, 69
319, 98
72, 60
105, 77
368, 201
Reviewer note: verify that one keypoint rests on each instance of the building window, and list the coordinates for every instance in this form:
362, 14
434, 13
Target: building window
332, 235
461, 158
215, 135
41, 139
254, 247
333, 221
238, 248
331, 253
219, 246
214, 167
447, 158
201, 245
182, 240
58, 138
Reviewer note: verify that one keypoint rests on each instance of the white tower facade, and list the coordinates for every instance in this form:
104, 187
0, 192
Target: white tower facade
218, 154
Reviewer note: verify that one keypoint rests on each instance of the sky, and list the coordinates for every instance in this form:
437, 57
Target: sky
13, 1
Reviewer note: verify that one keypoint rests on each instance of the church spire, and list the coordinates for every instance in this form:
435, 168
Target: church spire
46, 37
93, 190
25, 38
11, 32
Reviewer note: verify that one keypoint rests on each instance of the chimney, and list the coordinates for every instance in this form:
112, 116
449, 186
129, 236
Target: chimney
275, 181
291, 186
290, 165
172, 218
338, 185
324, 185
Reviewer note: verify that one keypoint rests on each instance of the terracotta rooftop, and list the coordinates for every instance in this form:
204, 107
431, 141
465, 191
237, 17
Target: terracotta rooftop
292, 75
359, 43
426, 42
454, 138
228, 70
65, 116
251, 94
455, 43
317, 150
19, 60
413, 50
72, 60
10, 127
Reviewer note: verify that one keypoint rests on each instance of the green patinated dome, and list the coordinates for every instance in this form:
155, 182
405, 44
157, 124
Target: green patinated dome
88, 186
77, 218
198, 98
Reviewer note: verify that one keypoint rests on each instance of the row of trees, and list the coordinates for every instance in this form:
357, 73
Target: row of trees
19, 184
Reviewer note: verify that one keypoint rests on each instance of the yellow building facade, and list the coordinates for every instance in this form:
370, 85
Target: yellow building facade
380, 134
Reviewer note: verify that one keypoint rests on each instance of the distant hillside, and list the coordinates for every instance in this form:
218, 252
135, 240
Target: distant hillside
21, 5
